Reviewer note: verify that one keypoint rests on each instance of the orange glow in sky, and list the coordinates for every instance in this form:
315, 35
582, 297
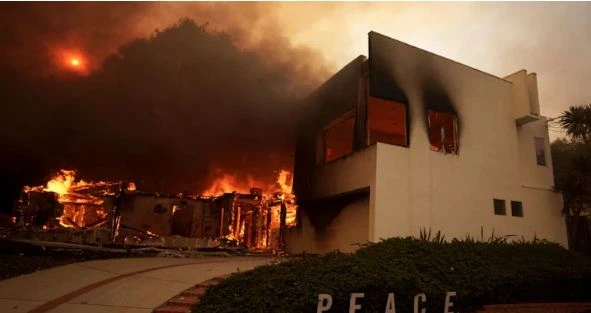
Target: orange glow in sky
75, 62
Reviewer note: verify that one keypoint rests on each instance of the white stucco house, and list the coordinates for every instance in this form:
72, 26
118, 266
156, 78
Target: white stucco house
406, 140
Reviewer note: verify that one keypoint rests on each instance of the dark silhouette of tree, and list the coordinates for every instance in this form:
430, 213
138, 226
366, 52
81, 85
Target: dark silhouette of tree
167, 111
577, 122
571, 158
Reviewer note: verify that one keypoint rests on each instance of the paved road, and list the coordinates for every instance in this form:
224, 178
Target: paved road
114, 286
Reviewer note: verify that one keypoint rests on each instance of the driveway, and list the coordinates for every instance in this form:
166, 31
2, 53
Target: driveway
136, 285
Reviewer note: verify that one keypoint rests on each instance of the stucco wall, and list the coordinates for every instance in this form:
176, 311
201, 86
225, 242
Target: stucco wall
349, 227
454, 193
352, 172
532, 174
417, 187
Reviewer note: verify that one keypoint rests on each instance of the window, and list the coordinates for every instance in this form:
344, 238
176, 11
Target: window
443, 132
517, 208
499, 206
387, 122
540, 151
338, 139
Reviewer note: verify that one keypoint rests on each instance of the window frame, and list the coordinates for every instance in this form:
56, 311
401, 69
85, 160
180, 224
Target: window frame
406, 126
504, 209
321, 137
516, 205
543, 142
456, 131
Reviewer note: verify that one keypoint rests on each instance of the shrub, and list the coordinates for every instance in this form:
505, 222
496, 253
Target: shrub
480, 273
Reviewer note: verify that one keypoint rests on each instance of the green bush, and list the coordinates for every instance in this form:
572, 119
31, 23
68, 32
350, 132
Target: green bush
481, 273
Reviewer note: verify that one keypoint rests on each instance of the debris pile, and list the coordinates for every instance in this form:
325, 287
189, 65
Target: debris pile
116, 213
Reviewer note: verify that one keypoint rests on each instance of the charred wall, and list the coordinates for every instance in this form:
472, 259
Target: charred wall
419, 85
388, 75
394, 71
165, 216
339, 95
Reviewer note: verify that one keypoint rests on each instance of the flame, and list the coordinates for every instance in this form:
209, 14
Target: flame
82, 201
231, 183
275, 194
284, 182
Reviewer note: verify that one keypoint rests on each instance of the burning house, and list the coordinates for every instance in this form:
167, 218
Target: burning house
407, 140
123, 215
394, 143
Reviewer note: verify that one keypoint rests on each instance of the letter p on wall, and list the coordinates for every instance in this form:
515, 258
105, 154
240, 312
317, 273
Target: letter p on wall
324, 303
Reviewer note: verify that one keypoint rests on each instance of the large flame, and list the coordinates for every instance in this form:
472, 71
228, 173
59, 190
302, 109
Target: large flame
231, 183
82, 201
275, 195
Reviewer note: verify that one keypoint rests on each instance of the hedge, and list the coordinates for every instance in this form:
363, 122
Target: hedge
479, 272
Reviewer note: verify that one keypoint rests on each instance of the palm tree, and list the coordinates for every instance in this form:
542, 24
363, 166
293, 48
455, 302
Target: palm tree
572, 172
577, 122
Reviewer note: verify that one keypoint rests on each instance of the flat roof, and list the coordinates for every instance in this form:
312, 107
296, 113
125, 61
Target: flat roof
437, 55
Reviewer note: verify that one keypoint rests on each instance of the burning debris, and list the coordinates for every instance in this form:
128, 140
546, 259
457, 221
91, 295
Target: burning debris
81, 203
226, 212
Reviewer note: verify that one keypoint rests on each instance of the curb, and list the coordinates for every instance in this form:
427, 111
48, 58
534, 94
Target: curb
184, 301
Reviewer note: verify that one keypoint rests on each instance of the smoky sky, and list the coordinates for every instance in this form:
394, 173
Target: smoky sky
170, 110
500, 38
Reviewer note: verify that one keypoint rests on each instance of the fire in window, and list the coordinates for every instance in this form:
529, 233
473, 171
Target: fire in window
387, 122
443, 132
338, 139
540, 151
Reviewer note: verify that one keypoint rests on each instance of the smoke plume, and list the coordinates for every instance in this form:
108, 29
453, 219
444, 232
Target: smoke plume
173, 96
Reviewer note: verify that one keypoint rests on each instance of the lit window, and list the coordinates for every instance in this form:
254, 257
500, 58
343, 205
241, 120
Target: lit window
517, 208
338, 139
499, 206
540, 151
387, 122
443, 132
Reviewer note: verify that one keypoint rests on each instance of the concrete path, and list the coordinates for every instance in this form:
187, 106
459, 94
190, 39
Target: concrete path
135, 285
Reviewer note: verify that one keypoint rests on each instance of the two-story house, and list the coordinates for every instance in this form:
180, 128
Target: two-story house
407, 140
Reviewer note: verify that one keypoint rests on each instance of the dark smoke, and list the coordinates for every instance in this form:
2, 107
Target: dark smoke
170, 111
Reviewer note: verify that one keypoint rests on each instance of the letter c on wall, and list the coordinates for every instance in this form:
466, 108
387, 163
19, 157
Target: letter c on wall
423, 298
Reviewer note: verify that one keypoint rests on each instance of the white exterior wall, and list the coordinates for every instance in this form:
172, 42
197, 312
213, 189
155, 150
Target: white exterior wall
419, 188
543, 215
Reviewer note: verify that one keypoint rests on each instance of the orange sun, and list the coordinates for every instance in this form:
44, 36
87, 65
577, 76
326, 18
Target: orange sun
75, 62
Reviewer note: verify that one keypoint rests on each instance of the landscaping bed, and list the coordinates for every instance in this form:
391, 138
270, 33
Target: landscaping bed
479, 272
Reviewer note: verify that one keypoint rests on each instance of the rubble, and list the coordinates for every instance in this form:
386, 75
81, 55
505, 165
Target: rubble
116, 214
